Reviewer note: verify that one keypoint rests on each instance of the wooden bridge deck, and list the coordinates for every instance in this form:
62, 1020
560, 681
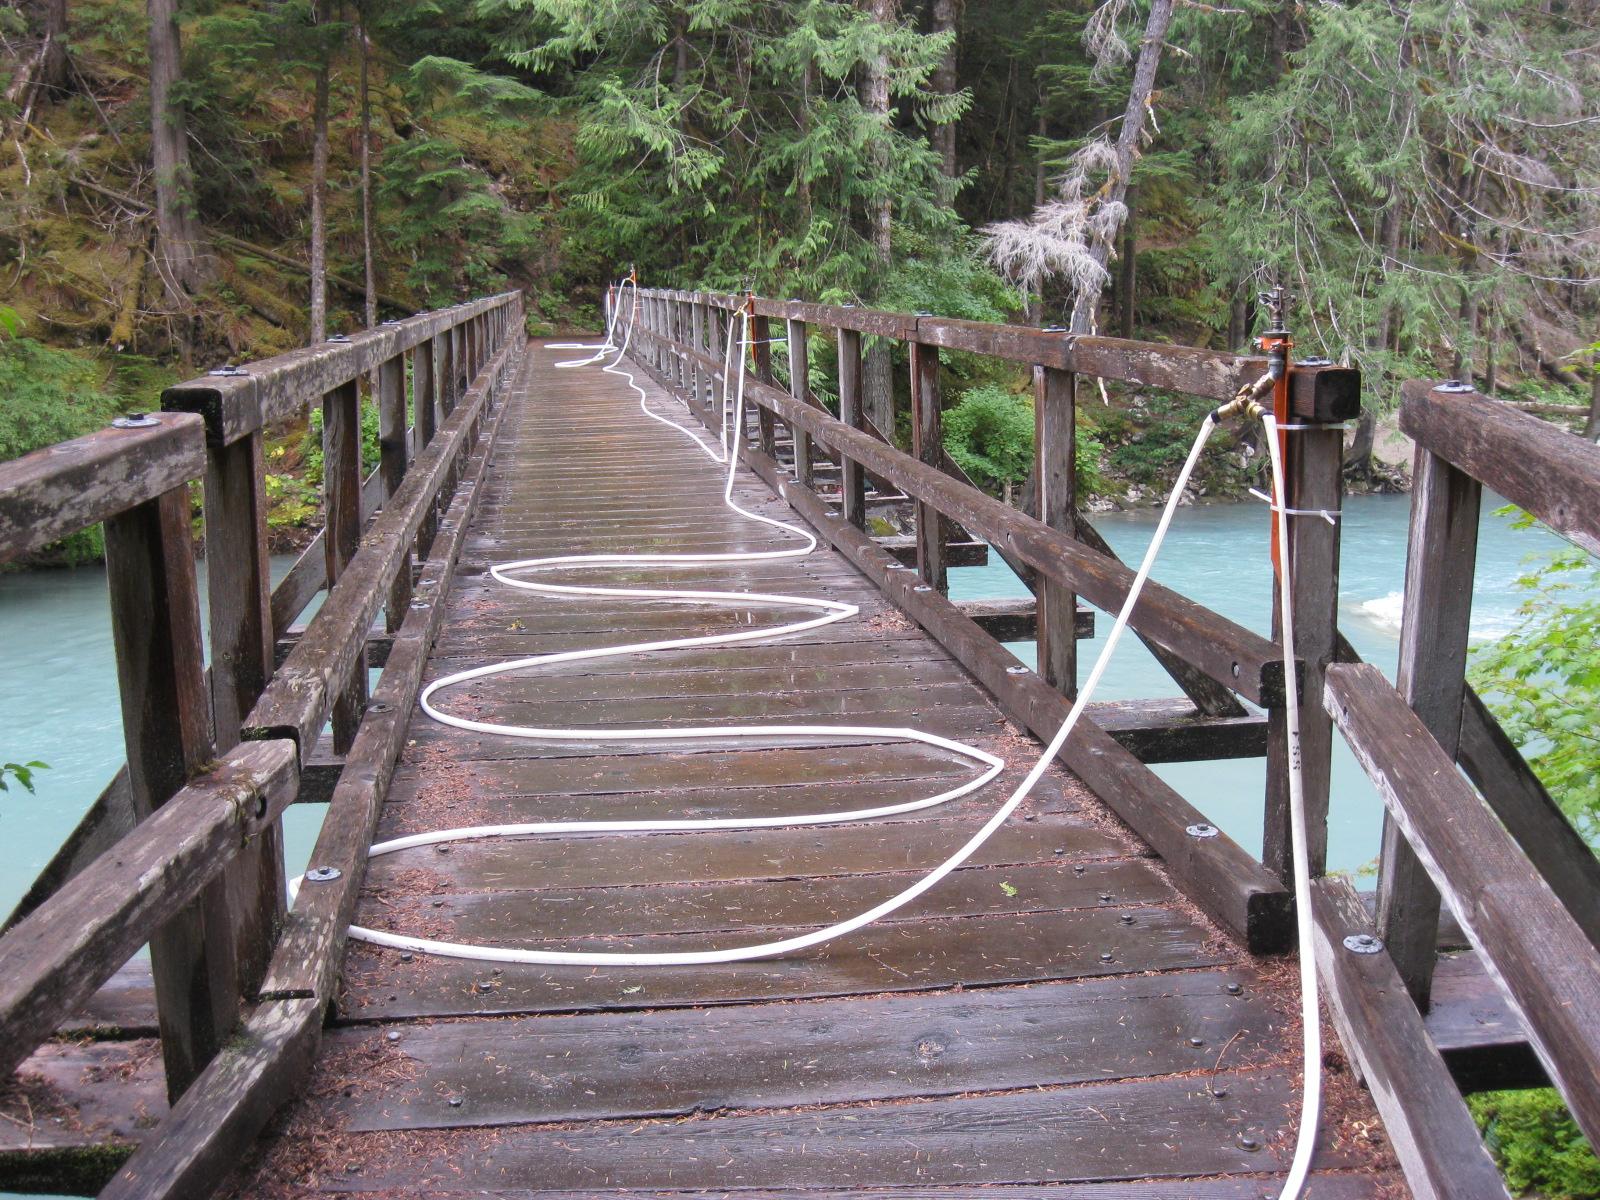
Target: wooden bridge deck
1054, 1017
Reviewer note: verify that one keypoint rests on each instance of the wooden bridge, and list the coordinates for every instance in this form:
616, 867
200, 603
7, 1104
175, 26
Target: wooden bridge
1098, 1005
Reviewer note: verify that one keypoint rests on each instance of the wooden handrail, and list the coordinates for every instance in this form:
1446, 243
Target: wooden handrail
53, 961
274, 389
1240, 660
60, 489
1553, 474
302, 693
206, 884
1537, 952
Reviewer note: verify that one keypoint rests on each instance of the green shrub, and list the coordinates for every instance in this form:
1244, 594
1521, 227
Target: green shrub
1537, 1144
990, 436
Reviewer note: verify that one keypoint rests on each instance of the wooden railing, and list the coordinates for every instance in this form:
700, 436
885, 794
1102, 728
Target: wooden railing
681, 337
1523, 885
184, 850
1520, 881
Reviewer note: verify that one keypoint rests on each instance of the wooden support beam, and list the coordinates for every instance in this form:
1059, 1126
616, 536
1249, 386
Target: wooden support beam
393, 459
1163, 731
155, 626
1009, 620
927, 445
1055, 467
341, 490
1441, 551
761, 337
800, 388
1540, 955
1432, 1133
850, 412
1314, 482
238, 587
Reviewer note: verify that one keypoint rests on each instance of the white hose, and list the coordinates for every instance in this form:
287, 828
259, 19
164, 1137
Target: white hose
1310, 1011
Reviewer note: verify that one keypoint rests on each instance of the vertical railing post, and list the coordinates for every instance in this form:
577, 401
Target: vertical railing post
341, 491
927, 443
852, 481
799, 383
697, 337
239, 600
392, 461
1055, 467
1313, 483
761, 335
680, 335
166, 719
715, 348
1441, 555
445, 346
424, 402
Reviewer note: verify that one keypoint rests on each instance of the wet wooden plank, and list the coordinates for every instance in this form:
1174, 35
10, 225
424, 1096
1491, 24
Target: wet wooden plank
530, 917
1322, 1186
1096, 1132
912, 956
618, 1066
621, 860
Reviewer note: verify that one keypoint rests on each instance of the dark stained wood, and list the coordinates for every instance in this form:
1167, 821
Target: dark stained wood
851, 414
1538, 467
1477, 1030
927, 444
1314, 482
1157, 731
1541, 956
61, 489
276, 389
1428, 1124
1055, 467
341, 489
1441, 549
956, 554
424, 396
625, 1066
1018, 620
300, 697
925, 955
238, 587
1097, 1132
799, 388
65, 1110
155, 626
1324, 394
55, 959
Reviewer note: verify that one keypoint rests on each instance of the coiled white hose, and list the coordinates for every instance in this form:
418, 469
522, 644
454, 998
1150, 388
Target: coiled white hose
828, 611
732, 434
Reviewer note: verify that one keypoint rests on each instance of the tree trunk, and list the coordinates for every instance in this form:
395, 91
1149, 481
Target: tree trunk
179, 246
366, 173
51, 80
946, 18
877, 375
319, 191
1591, 427
1126, 278
1087, 300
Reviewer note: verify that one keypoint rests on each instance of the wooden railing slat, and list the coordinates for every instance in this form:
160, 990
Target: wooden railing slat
1553, 474
1540, 956
52, 962
61, 489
